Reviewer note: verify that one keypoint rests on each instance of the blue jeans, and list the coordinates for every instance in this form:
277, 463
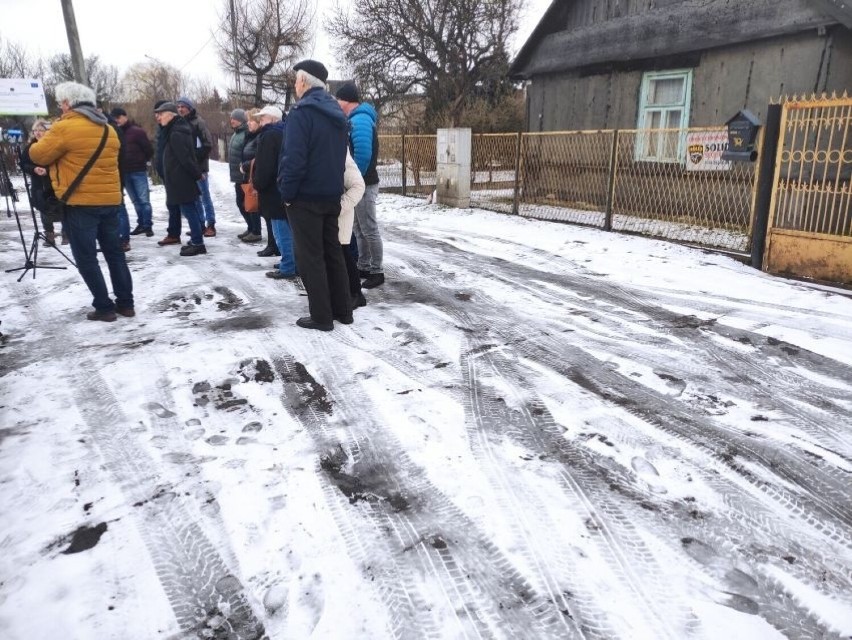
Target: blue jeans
173, 229
195, 220
205, 202
136, 184
88, 227
284, 240
123, 222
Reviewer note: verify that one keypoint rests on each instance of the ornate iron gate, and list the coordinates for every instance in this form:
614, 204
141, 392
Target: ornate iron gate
810, 224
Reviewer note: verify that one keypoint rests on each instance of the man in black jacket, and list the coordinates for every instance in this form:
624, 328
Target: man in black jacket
269, 143
137, 152
182, 173
174, 227
310, 179
202, 145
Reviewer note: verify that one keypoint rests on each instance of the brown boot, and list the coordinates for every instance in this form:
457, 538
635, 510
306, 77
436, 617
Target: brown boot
50, 239
64, 238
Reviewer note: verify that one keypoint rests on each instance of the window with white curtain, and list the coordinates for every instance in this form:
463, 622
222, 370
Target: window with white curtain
664, 115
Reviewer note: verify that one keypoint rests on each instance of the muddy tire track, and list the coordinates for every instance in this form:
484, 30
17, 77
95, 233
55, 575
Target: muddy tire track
765, 594
394, 518
208, 600
817, 484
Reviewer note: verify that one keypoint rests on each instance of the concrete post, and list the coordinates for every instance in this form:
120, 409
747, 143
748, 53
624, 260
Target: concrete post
453, 177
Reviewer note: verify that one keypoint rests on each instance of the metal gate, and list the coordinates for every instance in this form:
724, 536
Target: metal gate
810, 224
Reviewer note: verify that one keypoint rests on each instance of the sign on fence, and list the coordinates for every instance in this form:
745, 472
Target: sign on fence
704, 151
22, 97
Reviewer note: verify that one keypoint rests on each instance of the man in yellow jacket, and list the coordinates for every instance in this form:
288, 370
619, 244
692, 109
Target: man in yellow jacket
91, 211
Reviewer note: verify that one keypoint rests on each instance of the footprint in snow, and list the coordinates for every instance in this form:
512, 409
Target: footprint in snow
158, 410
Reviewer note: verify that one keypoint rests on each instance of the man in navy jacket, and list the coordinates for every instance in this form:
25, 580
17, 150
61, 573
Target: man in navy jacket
310, 181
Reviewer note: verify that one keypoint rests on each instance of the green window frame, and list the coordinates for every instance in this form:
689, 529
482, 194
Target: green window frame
664, 101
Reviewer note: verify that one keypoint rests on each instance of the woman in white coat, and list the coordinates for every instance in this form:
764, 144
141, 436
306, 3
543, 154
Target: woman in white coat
353, 185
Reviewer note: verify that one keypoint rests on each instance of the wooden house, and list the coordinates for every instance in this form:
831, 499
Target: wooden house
639, 64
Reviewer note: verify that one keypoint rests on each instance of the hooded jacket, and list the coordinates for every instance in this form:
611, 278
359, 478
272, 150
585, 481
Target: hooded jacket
137, 148
180, 168
66, 148
354, 183
202, 140
364, 140
235, 153
314, 151
269, 141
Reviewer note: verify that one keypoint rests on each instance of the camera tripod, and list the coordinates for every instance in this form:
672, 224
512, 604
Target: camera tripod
31, 251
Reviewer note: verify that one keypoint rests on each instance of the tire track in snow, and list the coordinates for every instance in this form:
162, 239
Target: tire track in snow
779, 616
489, 416
605, 299
823, 485
208, 600
418, 530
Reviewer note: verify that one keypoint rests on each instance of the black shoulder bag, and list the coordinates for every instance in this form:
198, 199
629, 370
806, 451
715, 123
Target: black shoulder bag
55, 207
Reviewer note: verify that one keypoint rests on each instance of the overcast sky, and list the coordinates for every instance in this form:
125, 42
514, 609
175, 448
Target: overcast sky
177, 31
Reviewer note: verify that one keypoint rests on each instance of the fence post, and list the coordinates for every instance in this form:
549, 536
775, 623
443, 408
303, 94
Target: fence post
765, 184
517, 195
610, 187
404, 169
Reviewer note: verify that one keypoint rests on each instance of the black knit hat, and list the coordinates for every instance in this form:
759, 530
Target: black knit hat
313, 67
117, 111
348, 92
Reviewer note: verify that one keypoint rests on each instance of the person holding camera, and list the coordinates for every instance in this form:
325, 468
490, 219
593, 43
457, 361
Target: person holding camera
41, 191
81, 151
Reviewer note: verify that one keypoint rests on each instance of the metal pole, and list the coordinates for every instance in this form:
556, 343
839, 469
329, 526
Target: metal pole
765, 184
610, 188
404, 169
517, 195
237, 87
74, 43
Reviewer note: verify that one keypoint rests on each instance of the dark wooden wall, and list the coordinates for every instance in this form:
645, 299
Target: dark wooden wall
724, 80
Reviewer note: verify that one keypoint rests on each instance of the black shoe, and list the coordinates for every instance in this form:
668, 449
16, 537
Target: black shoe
309, 323
359, 301
363, 274
279, 275
345, 319
139, 230
103, 316
267, 252
149, 232
373, 280
193, 249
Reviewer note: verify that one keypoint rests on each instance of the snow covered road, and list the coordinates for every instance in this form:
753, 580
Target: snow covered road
531, 431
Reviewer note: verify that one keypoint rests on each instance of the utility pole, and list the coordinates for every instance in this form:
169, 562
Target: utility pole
74, 43
237, 87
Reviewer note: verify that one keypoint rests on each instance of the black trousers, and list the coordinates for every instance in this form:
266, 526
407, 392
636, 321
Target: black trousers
319, 258
351, 270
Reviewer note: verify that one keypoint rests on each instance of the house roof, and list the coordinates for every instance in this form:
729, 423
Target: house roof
676, 28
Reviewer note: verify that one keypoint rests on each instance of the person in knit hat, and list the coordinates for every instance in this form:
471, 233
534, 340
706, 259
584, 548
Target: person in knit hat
364, 143
203, 146
239, 123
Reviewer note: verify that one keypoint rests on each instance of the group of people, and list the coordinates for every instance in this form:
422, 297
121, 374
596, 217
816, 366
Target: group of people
314, 173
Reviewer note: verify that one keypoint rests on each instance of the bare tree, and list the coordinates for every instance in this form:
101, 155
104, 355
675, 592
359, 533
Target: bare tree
444, 49
151, 81
17, 62
103, 78
259, 41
